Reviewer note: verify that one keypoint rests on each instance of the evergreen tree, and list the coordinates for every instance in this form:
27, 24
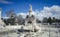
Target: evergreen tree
49, 20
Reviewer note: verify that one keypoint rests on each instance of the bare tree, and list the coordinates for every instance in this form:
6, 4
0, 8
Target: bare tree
12, 16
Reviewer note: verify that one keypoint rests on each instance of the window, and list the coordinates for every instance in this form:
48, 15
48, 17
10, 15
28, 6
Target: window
30, 22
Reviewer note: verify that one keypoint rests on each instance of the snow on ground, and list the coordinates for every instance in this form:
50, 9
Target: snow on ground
44, 32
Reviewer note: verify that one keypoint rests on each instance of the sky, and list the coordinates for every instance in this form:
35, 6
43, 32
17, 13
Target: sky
41, 8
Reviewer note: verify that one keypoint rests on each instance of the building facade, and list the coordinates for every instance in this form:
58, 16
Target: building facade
30, 19
1, 21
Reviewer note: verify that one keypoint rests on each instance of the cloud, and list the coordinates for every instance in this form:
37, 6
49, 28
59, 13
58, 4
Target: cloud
22, 14
5, 17
53, 11
5, 2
